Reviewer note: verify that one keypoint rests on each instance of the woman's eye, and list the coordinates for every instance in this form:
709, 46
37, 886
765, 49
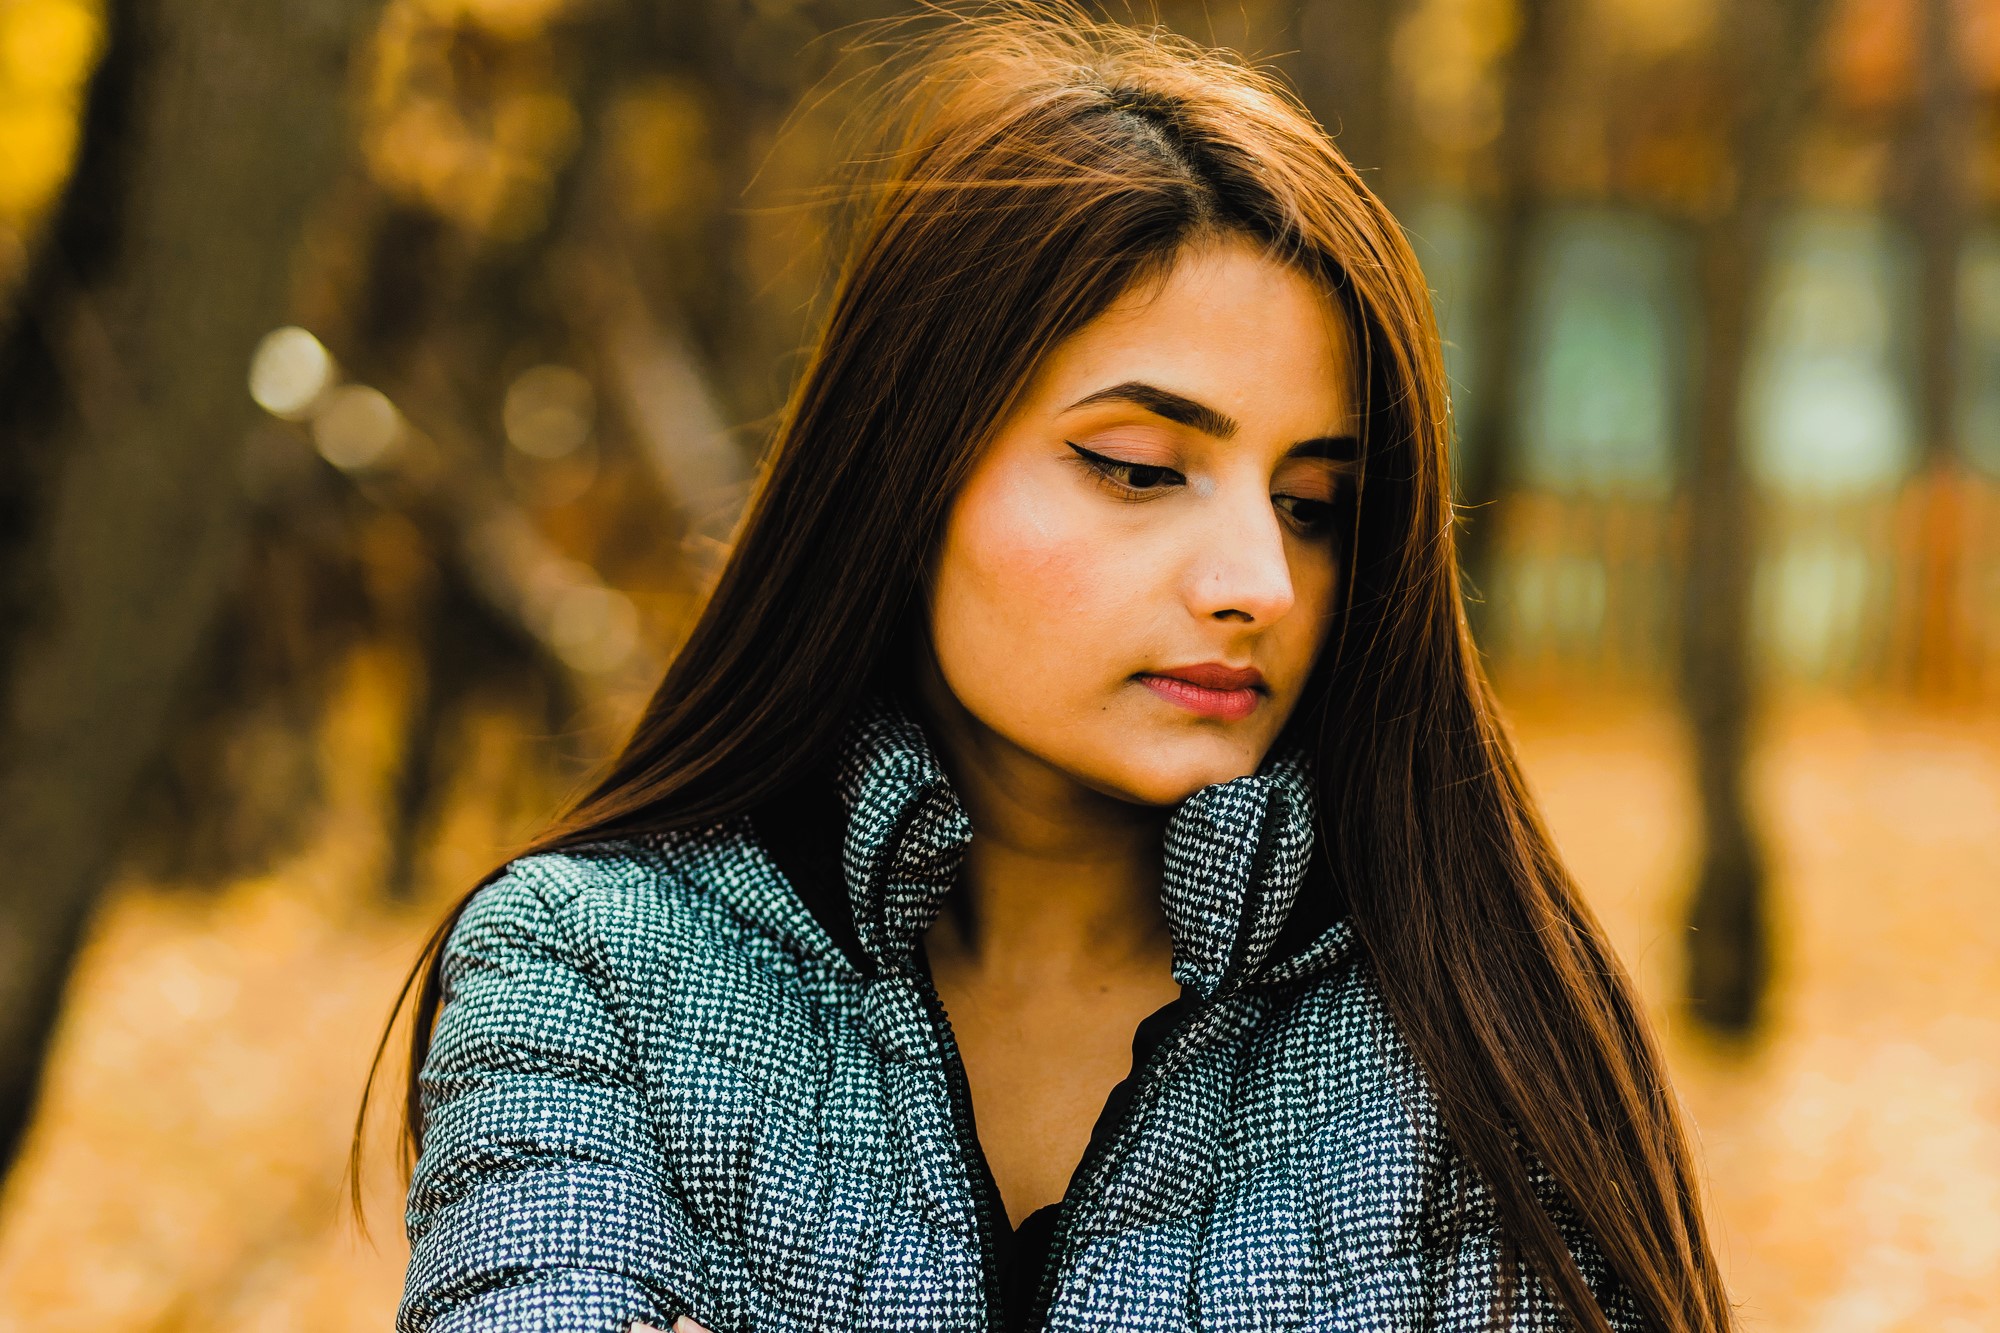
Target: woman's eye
1128, 476
1311, 516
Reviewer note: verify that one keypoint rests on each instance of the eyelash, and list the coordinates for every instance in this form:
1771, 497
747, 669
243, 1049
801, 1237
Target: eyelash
1141, 481
1125, 477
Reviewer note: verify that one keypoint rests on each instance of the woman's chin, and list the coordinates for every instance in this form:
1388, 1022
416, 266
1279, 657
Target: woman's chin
1170, 770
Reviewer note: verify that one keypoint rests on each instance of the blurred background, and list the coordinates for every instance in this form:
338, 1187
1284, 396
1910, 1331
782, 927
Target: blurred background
379, 380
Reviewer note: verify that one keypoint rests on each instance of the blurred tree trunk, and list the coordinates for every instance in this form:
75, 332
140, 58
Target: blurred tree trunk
1767, 51
1489, 427
210, 126
1937, 204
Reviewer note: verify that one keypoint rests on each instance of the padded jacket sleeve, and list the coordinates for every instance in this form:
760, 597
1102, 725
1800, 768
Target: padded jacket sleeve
537, 1202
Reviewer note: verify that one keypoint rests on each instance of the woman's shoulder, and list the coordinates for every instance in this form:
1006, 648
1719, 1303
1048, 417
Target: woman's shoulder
1375, 1110
707, 891
1334, 1044
611, 878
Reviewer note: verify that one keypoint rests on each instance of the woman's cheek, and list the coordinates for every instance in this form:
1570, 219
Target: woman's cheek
1032, 597
1038, 575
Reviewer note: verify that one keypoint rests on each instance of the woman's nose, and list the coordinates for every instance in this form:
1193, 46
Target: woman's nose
1242, 571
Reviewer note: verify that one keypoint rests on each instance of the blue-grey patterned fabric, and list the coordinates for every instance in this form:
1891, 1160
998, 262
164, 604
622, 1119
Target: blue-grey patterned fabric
658, 1088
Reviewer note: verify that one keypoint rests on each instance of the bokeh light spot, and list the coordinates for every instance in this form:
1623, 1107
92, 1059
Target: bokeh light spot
355, 427
289, 371
548, 412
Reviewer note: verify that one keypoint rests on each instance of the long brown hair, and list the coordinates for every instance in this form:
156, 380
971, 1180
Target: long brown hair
1042, 165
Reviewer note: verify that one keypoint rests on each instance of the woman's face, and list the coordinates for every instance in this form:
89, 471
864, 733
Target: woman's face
1137, 576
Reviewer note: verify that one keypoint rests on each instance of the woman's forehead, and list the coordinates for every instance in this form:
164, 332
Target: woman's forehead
1227, 339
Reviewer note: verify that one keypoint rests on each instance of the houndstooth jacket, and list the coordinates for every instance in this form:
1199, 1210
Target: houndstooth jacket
659, 1086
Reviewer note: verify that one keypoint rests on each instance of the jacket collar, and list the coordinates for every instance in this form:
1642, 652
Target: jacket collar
1235, 863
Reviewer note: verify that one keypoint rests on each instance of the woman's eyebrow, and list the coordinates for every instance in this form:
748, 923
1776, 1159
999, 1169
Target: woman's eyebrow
1175, 407
1185, 411
1337, 448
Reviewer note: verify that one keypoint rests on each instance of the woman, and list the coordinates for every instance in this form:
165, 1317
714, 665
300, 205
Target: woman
1073, 876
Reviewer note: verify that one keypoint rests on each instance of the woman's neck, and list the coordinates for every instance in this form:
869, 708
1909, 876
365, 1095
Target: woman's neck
1061, 883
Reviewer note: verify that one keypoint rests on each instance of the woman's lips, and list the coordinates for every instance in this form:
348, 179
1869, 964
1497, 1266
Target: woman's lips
1229, 694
